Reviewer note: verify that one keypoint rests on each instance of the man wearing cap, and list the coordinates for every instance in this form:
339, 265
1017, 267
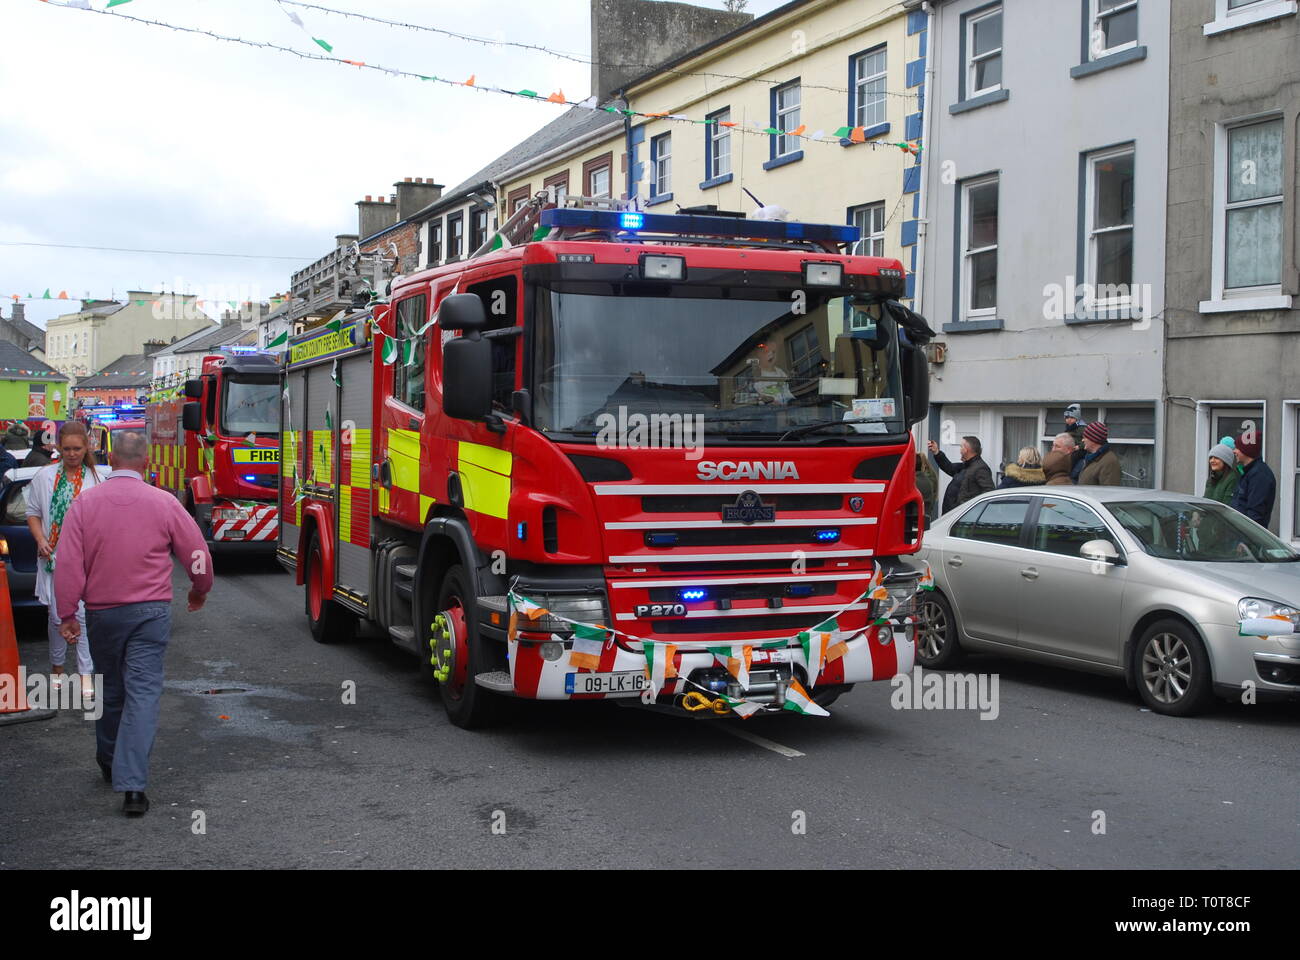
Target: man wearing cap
1221, 484
1101, 466
1257, 488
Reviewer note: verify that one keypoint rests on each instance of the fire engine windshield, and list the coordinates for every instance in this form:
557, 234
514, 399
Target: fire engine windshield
755, 364
250, 406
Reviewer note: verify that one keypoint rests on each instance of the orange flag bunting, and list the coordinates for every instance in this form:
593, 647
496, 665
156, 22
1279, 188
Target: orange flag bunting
556, 98
799, 130
470, 81
858, 135
63, 294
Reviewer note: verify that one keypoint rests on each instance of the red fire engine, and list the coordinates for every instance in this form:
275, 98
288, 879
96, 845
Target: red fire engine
218, 449
629, 455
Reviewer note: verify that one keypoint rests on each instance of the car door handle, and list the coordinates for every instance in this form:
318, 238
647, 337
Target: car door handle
1029, 573
954, 561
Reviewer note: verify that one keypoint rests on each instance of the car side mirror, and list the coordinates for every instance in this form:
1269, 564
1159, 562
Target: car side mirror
1099, 550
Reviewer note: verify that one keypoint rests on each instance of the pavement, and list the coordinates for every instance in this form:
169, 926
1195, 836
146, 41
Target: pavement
261, 762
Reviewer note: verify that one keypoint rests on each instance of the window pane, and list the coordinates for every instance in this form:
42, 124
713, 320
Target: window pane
1064, 526
1121, 28
1234, 4
988, 73
965, 527
1114, 205
1254, 246
1017, 432
1138, 463
1001, 522
1255, 161
986, 34
1114, 260
983, 216
1132, 423
984, 280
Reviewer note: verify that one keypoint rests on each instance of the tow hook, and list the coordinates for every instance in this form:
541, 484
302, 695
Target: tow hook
695, 701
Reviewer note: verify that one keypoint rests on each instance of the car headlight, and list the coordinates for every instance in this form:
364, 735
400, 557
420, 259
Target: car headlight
1255, 608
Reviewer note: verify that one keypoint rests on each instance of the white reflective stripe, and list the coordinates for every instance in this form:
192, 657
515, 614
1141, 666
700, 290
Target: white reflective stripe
705, 582
706, 557
752, 612
660, 489
735, 525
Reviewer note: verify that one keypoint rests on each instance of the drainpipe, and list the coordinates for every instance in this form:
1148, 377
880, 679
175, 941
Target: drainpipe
927, 124
627, 144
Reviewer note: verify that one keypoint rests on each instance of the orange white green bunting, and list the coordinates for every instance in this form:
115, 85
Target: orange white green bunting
527, 607
659, 663
588, 643
797, 699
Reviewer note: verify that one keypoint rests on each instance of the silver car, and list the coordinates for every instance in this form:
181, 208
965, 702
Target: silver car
1181, 596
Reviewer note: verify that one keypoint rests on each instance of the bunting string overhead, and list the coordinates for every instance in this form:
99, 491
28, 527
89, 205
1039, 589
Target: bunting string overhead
841, 134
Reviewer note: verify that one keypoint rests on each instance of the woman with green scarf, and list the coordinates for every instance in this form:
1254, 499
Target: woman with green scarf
49, 495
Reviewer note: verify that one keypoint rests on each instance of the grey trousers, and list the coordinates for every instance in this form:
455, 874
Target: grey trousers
128, 644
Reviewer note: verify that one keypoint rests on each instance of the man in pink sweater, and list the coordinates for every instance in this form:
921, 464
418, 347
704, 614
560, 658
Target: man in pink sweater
115, 552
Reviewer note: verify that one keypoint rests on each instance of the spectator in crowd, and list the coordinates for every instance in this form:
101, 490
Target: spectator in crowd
7, 461
50, 496
17, 437
1222, 482
119, 545
1257, 488
1059, 460
927, 484
1231, 444
40, 454
1101, 466
1074, 423
1027, 471
970, 478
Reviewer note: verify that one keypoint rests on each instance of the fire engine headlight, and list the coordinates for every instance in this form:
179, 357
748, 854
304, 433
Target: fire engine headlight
663, 268
823, 274
576, 608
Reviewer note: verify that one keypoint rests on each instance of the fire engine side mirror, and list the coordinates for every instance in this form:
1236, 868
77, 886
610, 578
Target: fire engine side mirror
467, 377
193, 389
462, 311
192, 417
916, 383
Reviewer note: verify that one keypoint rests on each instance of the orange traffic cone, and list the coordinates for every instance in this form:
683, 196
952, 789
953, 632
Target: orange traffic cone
13, 695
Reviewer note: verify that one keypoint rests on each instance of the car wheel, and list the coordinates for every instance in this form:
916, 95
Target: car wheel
1173, 670
330, 623
454, 652
936, 641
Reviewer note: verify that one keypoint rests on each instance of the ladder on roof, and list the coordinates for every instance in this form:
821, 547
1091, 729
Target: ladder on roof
524, 226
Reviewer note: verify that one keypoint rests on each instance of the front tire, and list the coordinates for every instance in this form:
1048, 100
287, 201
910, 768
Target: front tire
936, 643
1173, 669
454, 653
330, 623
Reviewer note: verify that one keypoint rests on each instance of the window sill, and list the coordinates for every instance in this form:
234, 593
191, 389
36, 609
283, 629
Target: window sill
782, 161
716, 181
879, 130
1246, 304
982, 325
997, 96
658, 199
1115, 315
1268, 11
1131, 55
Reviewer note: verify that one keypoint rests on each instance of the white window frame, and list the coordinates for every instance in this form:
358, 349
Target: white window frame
860, 81
862, 217
1222, 300
1257, 11
781, 117
719, 145
1095, 51
1091, 231
972, 60
661, 183
591, 185
1288, 472
1205, 410
968, 253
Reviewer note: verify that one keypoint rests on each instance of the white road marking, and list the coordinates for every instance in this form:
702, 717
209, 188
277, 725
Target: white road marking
761, 741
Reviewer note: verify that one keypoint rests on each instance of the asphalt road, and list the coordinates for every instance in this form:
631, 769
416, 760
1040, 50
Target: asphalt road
294, 777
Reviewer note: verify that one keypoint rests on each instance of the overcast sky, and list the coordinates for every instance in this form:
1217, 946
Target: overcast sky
119, 134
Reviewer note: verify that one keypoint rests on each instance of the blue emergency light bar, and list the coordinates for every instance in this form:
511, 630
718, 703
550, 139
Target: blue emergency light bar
632, 221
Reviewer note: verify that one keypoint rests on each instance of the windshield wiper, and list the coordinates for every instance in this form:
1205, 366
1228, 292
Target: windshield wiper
819, 425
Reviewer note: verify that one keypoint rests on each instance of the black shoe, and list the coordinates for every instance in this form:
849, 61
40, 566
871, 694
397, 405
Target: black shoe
136, 803
106, 769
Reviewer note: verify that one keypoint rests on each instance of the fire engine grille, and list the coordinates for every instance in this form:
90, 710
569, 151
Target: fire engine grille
738, 536
753, 626
713, 503
732, 566
749, 591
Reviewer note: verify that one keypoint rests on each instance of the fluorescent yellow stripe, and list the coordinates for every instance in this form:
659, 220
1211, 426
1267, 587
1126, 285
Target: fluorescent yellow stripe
345, 513
485, 491
360, 474
383, 499
426, 504
322, 454
498, 461
404, 455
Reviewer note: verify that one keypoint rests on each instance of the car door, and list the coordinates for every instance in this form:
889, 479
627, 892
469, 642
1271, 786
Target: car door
401, 415
1069, 605
982, 558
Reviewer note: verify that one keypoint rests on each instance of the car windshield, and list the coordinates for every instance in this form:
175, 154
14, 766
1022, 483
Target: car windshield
753, 363
1199, 531
251, 406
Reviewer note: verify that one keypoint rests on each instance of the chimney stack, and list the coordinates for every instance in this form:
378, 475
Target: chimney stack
374, 215
413, 195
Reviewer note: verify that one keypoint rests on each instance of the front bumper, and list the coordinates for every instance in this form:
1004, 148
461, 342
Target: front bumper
1270, 664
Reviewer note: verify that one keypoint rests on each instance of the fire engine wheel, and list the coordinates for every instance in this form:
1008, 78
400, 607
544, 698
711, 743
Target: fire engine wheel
454, 653
330, 623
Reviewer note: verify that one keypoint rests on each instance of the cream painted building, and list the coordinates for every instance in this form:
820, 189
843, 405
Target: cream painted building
80, 344
823, 68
